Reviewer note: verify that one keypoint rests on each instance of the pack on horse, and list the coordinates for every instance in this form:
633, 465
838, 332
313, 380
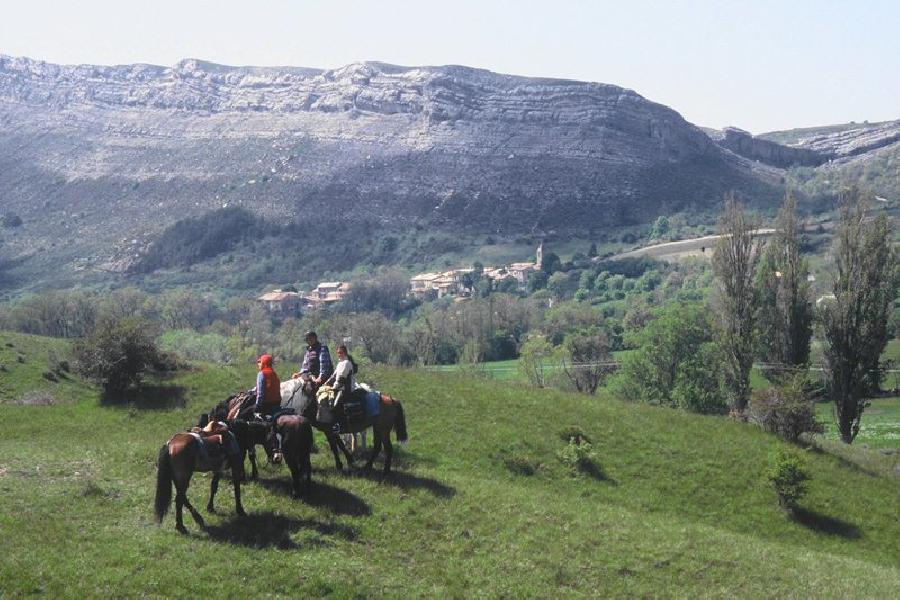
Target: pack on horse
237, 412
390, 416
189, 452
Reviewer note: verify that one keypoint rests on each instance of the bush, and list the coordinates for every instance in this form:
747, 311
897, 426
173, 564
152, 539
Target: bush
786, 411
578, 457
116, 354
788, 476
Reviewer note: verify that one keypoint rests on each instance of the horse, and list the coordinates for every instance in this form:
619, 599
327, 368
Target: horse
178, 459
390, 416
237, 412
295, 431
296, 445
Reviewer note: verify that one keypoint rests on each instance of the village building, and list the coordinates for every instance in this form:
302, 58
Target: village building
425, 286
283, 304
327, 292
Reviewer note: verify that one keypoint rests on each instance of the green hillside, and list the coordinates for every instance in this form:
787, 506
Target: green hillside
676, 504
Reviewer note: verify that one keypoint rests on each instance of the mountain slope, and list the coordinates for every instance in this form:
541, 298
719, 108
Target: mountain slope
677, 506
98, 160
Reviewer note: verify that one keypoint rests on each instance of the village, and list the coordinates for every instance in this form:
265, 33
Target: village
453, 283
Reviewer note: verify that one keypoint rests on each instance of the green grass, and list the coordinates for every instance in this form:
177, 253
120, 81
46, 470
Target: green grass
677, 505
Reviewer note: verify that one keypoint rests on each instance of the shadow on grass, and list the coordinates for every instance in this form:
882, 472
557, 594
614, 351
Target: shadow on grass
593, 470
147, 397
825, 524
323, 495
842, 460
408, 481
271, 530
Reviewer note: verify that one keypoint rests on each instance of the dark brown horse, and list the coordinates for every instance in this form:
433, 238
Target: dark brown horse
390, 417
178, 459
296, 445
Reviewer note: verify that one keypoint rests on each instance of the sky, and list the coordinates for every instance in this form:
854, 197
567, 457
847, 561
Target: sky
760, 65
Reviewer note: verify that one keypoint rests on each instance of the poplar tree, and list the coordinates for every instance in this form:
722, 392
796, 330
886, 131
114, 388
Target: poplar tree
785, 314
855, 320
734, 261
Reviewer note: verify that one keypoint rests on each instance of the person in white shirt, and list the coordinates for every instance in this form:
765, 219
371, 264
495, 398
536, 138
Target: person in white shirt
343, 380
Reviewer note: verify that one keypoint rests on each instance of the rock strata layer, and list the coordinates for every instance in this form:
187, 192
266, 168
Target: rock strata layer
108, 156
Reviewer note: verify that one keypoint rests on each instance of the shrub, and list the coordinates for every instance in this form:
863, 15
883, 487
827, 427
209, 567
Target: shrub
788, 476
116, 354
578, 457
785, 410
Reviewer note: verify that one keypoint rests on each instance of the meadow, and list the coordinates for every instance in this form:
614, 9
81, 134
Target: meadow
480, 505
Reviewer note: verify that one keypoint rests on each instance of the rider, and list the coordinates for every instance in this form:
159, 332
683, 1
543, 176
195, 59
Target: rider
343, 380
316, 361
268, 393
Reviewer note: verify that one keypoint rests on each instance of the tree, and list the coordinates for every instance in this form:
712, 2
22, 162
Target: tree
785, 311
116, 354
586, 361
734, 262
660, 227
855, 321
532, 360
550, 263
592, 251
675, 362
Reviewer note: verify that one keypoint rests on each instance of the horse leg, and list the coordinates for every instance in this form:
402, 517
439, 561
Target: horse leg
179, 502
293, 465
376, 450
254, 472
333, 442
237, 473
213, 488
197, 517
388, 453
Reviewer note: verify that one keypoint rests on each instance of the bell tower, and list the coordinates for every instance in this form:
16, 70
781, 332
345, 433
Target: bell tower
540, 255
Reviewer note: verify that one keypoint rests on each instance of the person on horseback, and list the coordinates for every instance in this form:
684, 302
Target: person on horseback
268, 387
343, 380
268, 394
316, 361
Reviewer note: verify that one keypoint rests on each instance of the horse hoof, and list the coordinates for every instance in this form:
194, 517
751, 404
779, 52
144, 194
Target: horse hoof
211, 510
241, 513
181, 529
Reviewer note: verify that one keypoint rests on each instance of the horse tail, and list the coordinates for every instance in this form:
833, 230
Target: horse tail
163, 483
401, 423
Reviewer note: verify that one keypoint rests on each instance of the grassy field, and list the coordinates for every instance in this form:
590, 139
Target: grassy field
675, 504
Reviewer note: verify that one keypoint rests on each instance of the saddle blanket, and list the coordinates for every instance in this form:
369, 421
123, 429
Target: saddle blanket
212, 454
373, 403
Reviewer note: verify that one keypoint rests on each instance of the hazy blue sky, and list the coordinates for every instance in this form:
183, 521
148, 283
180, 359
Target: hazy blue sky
760, 65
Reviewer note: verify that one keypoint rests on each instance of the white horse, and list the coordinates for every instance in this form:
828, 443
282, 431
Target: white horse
292, 396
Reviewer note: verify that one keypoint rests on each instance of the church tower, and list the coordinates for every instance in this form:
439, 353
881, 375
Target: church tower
540, 255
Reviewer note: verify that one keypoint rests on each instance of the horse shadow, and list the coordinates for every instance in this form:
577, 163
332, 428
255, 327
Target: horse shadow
408, 481
271, 530
322, 495
824, 524
147, 397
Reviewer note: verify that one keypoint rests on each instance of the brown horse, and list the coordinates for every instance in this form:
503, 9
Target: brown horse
296, 445
390, 416
178, 459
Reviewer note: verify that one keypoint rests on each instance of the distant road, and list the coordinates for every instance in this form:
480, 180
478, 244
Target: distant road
693, 247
